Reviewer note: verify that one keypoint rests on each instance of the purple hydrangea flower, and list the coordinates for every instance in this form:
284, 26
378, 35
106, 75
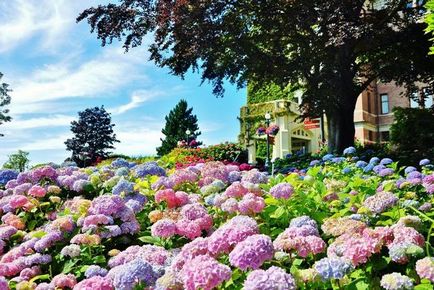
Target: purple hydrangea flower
123, 186
6, 175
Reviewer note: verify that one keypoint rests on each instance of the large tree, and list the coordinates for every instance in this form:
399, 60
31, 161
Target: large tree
5, 100
333, 49
178, 122
18, 161
93, 136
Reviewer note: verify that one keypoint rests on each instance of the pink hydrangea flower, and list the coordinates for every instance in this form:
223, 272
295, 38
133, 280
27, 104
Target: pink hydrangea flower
37, 191
94, 283
236, 190
251, 204
204, 272
64, 281
164, 228
425, 268
18, 201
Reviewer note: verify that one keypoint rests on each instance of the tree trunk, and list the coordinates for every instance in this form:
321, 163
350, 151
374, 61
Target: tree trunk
341, 130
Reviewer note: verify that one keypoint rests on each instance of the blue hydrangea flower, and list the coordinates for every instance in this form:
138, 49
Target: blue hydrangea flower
7, 175
424, 162
409, 169
346, 170
338, 159
314, 162
129, 275
327, 157
332, 268
120, 163
386, 161
374, 160
123, 186
368, 168
361, 164
414, 174
149, 168
349, 151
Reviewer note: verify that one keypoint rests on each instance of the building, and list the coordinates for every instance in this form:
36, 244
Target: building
373, 117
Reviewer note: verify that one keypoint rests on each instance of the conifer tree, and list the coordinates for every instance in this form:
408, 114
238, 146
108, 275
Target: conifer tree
93, 136
5, 100
178, 122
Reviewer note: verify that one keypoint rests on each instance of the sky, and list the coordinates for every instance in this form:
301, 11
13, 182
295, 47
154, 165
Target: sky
57, 68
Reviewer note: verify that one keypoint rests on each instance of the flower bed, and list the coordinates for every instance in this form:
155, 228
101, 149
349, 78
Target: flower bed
341, 223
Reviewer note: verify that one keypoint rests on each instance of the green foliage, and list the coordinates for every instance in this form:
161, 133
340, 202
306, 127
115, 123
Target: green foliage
5, 100
93, 136
18, 161
179, 120
268, 92
227, 152
413, 133
429, 19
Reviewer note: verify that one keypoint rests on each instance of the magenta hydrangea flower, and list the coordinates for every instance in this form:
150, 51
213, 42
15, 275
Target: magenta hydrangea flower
18, 201
204, 272
271, 279
3, 283
164, 228
252, 252
425, 268
282, 190
94, 283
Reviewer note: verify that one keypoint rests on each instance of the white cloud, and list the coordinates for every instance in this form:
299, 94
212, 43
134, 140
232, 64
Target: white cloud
138, 142
42, 122
137, 99
50, 143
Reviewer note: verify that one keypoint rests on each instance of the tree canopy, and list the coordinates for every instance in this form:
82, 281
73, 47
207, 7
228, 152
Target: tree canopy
334, 49
18, 161
5, 100
179, 120
93, 136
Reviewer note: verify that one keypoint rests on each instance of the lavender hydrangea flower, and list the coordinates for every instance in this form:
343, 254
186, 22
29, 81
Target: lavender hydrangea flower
332, 268
386, 161
396, 281
282, 190
252, 252
361, 164
271, 279
424, 162
314, 162
380, 201
95, 270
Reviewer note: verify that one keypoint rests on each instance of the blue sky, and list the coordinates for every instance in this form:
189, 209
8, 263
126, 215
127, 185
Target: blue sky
57, 68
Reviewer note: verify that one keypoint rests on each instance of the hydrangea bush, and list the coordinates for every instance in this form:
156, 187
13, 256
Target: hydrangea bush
339, 223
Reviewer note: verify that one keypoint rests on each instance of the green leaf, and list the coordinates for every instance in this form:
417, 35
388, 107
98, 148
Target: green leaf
280, 211
69, 265
424, 287
40, 277
150, 240
99, 259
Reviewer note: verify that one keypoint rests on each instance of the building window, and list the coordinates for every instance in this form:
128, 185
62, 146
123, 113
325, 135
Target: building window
414, 100
384, 103
370, 135
428, 97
